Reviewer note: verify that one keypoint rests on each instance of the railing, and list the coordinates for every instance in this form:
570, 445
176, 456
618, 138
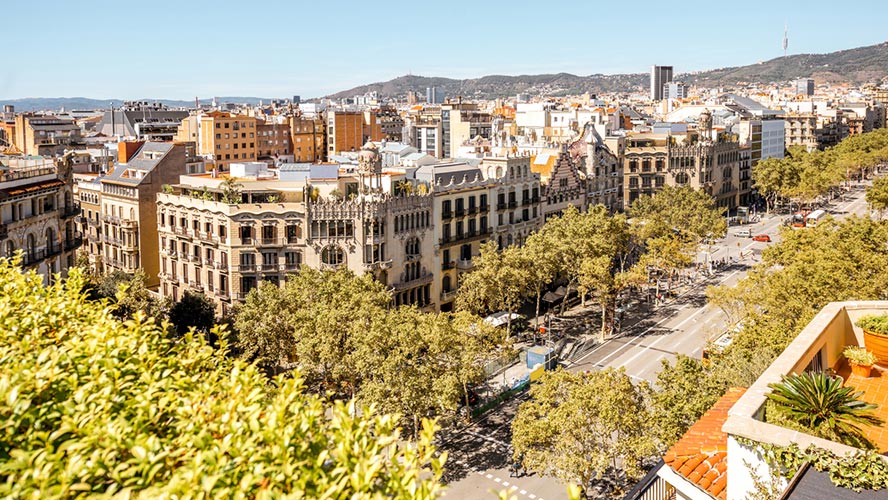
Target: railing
460, 212
70, 211
268, 267
447, 215
33, 257
181, 230
74, 242
484, 207
247, 268
221, 293
425, 278
447, 296
464, 264
270, 242
292, 266
445, 239
473, 210
512, 204
110, 219
246, 241
500, 206
447, 265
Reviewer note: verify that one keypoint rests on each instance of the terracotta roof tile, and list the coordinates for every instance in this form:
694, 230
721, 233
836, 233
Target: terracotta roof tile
701, 454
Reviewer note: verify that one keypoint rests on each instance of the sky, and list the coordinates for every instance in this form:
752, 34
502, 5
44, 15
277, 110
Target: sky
277, 48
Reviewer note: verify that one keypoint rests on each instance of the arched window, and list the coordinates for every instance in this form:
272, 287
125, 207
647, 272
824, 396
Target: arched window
332, 255
50, 240
681, 178
31, 245
726, 173
412, 247
446, 284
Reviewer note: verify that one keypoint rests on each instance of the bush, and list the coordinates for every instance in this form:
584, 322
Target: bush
93, 405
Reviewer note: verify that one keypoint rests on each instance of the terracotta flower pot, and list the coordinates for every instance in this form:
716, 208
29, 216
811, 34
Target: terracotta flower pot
861, 370
877, 344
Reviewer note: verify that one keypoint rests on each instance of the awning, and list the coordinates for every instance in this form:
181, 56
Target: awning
18, 190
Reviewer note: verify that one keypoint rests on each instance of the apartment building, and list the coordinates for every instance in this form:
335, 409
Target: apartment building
345, 131
45, 135
273, 141
222, 235
308, 138
129, 231
37, 211
461, 122
656, 160
88, 191
221, 137
141, 120
561, 183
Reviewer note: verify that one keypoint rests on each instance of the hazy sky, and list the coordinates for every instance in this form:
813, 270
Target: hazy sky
270, 48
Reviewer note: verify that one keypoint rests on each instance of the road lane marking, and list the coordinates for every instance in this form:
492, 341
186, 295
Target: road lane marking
662, 338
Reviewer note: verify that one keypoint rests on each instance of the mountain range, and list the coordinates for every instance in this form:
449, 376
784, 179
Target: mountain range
856, 66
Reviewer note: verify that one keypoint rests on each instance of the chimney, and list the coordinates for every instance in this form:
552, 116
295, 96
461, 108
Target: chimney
127, 149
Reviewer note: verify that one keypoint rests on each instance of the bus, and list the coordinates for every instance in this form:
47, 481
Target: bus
815, 217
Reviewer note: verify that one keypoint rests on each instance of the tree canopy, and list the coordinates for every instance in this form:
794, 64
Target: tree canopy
92, 405
582, 426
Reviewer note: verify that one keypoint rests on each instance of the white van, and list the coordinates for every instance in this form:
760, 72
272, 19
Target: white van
743, 233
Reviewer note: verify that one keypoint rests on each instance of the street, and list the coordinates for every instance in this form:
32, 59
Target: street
479, 454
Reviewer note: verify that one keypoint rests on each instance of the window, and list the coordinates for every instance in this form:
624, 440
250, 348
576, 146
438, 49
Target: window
246, 234
294, 232
332, 255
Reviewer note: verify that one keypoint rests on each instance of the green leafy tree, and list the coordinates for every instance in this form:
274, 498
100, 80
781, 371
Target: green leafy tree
92, 406
877, 195
541, 264
579, 427
821, 405
266, 336
129, 295
321, 314
774, 178
685, 390
497, 282
231, 191
194, 310
420, 365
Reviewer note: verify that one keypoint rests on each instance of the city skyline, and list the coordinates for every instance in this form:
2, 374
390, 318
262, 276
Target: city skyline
179, 51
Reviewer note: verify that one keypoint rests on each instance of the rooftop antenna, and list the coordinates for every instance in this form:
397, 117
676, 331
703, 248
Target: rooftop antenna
785, 39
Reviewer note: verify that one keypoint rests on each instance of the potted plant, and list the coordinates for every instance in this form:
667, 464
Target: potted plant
860, 359
875, 335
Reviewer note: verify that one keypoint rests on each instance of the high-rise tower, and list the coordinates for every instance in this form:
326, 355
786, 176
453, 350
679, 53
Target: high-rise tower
659, 76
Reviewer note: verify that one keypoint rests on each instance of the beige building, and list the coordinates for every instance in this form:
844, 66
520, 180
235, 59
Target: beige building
222, 235
37, 212
221, 138
129, 239
461, 122
44, 134
656, 160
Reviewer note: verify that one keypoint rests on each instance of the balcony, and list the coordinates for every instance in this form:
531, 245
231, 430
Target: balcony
73, 242
247, 241
473, 210
223, 294
170, 252
268, 267
447, 215
292, 266
445, 239
69, 211
424, 279
181, 231
270, 242
464, 264
193, 258
210, 263
501, 206
447, 296
513, 204
460, 212
246, 268
447, 265
110, 220
484, 207
377, 266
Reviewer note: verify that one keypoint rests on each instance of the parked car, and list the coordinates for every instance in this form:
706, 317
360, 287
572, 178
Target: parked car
762, 237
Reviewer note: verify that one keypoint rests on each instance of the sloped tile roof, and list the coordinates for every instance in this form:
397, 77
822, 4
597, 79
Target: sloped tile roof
701, 455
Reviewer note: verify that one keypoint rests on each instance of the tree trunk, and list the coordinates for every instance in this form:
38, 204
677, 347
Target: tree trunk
538, 297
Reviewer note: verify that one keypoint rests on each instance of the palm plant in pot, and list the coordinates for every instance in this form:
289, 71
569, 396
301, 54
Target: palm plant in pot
860, 359
875, 335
